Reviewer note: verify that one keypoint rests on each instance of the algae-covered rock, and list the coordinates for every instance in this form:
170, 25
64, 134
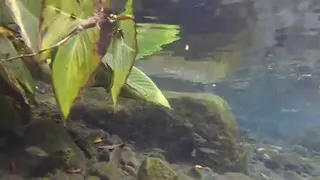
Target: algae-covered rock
199, 127
106, 170
155, 168
214, 103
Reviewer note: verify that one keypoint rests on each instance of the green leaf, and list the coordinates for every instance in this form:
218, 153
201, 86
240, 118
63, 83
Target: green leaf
145, 87
17, 67
151, 37
123, 51
26, 14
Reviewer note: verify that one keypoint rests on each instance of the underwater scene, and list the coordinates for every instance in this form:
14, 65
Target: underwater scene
159, 90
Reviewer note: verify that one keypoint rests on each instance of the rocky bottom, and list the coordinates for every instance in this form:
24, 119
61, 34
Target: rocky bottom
111, 158
197, 140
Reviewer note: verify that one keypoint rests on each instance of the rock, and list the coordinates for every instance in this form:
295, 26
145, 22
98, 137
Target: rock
196, 122
128, 157
293, 176
84, 137
155, 152
258, 171
302, 151
199, 172
106, 170
231, 176
309, 138
59, 175
10, 177
289, 161
155, 168
93, 178
316, 171
53, 139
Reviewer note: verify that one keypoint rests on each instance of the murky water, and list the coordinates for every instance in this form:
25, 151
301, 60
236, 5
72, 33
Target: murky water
262, 56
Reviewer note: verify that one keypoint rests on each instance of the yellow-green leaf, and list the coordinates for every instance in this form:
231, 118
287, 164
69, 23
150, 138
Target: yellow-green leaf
143, 85
151, 37
123, 51
73, 66
26, 14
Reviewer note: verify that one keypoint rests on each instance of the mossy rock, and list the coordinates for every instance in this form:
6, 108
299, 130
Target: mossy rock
155, 168
213, 103
191, 124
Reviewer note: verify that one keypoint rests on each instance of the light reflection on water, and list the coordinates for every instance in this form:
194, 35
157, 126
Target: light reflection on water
262, 57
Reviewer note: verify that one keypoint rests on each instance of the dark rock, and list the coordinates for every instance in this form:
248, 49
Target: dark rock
10, 177
53, 139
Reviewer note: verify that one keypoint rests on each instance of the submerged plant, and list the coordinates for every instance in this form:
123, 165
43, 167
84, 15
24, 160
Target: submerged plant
79, 44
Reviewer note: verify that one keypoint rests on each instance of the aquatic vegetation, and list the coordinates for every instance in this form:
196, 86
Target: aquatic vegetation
92, 41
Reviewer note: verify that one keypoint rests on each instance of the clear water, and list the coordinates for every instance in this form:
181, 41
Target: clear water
262, 56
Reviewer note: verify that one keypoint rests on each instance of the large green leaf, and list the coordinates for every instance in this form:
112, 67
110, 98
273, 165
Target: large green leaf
123, 51
145, 87
17, 67
151, 37
26, 15
75, 62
